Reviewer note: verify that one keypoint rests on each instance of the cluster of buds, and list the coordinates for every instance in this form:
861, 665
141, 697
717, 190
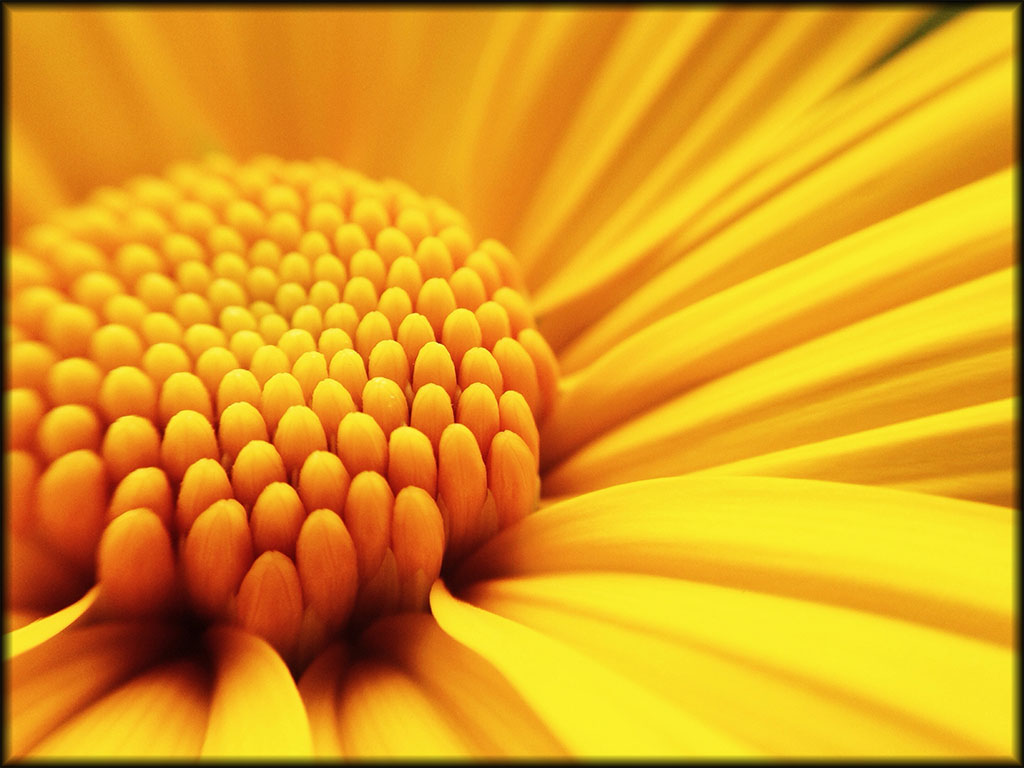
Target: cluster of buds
277, 394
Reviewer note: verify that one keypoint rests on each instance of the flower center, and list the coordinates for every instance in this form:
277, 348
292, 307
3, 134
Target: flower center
277, 394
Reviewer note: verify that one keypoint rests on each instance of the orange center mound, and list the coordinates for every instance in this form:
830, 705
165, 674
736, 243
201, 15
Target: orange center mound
276, 394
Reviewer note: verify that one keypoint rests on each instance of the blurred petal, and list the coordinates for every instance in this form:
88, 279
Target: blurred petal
39, 579
171, 107
16, 618
961, 235
26, 637
645, 60
958, 236
385, 713
55, 679
543, 74
794, 677
84, 80
593, 710
497, 724
855, 176
947, 351
319, 687
161, 713
968, 453
941, 562
256, 710
755, 72
40, 189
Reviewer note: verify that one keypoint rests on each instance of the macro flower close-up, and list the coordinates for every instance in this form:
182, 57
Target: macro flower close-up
551, 382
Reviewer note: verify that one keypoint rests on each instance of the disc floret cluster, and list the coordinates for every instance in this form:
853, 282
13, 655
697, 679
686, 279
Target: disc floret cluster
276, 394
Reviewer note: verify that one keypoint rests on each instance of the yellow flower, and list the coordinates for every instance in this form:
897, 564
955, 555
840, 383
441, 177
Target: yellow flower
772, 252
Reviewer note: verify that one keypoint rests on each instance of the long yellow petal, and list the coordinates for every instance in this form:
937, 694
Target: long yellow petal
756, 72
542, 79
593, 710
919, 73
831, 202
648, 59
956, 237
26, 637
37, 578
501, 44
66, 57
947, 351
498, 724
968, 453
256, 710
160, 714
815, 199
52, 681
385, 713
166, 98
942, 562
18, 618
888, 685
40, 189
319, 687
429, 149
948, 239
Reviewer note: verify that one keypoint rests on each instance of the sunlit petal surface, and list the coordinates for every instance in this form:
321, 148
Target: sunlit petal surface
53, 682
890, 686
473, 383
255, 709
937, 561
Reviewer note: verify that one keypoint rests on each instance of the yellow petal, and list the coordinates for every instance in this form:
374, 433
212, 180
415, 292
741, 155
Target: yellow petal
451, 86
644, 62
385, 713
39, 186
914, 72
942, 562
967, 453
952, 238
172, 107
16, 618
904, 258
795, 677
54, 680
947, 351
543, 74
758, 71
490, 715
909, 80
42, 629
256, 709
160, 714
319, 687
39, 579
84, 80
590, 708
817, 204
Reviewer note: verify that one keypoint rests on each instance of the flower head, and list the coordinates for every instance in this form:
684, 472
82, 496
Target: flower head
305, 392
